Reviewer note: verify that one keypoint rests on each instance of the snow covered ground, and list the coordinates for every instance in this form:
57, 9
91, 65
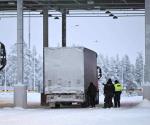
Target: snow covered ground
134, 111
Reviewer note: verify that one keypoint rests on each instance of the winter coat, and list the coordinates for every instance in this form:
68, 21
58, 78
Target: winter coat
109, 89
118, 87
92, 90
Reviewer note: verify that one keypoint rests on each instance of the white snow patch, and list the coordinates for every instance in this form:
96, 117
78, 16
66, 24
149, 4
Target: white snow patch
144, 104
135, 115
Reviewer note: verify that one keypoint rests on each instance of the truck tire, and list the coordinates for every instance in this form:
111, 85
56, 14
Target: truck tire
66, 103
57, 105
84, 104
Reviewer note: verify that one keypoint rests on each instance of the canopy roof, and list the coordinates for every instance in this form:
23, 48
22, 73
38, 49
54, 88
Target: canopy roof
73, 4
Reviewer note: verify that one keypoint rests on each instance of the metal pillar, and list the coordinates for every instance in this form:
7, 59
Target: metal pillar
45, 27
20, 94
147, 51
45, 44
147, 41
64, 28
20, 61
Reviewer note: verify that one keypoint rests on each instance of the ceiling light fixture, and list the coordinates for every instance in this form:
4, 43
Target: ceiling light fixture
107, 12
111, 14
115, 17
56, 17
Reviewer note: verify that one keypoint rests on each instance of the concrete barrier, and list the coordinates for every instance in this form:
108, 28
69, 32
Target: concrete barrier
146, 92
20, 96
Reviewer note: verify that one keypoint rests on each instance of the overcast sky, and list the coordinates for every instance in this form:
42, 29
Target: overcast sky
125, 35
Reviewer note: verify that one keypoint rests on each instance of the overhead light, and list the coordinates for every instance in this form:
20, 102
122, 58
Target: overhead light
32, 9
56, 17
111, 14
50, 15
115, 17
107, 12
90, 2
102, 9
11, 3
41, 12
97, 7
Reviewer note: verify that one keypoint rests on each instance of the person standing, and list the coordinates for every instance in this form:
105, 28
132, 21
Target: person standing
118, 91
91, 92
108, 93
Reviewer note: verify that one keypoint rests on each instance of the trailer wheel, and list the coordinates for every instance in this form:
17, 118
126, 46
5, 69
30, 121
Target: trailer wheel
84, 104
57, 105
66, 103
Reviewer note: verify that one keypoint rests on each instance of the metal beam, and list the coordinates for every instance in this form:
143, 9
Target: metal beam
73, 4
64, 28
125, 1
76, 1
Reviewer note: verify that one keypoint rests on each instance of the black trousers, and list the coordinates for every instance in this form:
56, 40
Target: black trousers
92, 100
117, 99
108, 101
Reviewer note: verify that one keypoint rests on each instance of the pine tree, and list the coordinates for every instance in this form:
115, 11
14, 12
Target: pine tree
139, 69
127, 73
11, 69
30, 60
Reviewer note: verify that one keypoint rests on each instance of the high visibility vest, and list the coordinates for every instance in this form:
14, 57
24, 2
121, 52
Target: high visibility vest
118, 87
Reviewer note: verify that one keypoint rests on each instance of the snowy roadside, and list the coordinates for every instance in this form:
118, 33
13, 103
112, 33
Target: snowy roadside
33, 97
138, 115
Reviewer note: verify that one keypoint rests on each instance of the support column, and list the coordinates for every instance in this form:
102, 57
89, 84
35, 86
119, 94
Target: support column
45, 44
20, 97
146, 91
64, 28
45, 27
20, 61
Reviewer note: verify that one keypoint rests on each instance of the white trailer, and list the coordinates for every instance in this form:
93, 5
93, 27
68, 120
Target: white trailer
67, 74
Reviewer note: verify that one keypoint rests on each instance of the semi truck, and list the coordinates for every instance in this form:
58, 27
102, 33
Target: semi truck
68, 72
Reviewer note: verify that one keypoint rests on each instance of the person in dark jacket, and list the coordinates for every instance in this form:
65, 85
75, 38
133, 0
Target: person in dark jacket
108, 93
91, 92
118, 91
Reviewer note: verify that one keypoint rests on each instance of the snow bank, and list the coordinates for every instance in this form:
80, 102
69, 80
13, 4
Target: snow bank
137, 115
125, 99
144, 104
34, 97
